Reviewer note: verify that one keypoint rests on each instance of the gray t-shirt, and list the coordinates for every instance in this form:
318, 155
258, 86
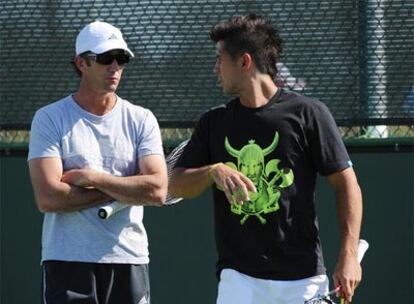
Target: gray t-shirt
112, 143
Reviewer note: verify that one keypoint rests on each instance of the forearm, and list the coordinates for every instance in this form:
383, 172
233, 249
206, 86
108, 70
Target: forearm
63, 197
135, 190
349, 206
189, 182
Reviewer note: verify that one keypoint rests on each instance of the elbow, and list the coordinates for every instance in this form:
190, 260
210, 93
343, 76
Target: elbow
46, 201
159, 195
160, 198
44, 206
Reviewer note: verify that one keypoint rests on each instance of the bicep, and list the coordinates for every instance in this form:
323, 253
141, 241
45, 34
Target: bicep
348, 192
343, 180
45, 170
153, 164
45, 173
348, 202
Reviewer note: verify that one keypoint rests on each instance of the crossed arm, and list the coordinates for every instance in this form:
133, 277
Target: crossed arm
59, 191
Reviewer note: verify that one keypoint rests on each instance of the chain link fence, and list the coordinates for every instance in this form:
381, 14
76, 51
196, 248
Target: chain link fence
355, 56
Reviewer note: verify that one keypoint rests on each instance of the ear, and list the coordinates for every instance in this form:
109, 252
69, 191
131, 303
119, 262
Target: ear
247, 61
80, 63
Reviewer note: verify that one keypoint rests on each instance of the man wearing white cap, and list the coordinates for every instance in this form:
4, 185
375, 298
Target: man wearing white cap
89, 149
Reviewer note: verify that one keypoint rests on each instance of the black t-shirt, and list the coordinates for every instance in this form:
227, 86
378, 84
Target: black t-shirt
281, 147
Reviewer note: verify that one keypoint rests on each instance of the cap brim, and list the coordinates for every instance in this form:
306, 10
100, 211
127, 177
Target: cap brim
112, 45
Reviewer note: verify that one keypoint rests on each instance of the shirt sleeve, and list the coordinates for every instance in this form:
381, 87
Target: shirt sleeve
44, 137
326, 145
150, 141
196, 153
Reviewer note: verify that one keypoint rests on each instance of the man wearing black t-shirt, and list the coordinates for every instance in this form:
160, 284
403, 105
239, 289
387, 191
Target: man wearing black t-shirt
262, 152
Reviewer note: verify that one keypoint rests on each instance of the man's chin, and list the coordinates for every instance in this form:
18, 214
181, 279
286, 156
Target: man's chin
111, 89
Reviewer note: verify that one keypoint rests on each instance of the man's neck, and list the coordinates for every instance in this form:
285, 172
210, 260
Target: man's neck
95, 103
258, 92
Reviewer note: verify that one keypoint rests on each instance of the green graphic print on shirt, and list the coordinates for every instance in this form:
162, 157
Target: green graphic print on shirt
267, 177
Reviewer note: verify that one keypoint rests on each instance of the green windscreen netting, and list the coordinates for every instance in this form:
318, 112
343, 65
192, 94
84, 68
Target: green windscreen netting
355, 56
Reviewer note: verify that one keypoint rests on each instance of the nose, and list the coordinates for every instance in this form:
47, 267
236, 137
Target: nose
114, 65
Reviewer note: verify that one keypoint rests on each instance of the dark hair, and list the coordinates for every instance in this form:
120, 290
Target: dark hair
252, 34
87, 59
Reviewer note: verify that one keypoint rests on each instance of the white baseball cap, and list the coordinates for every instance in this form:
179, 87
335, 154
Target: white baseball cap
100, 37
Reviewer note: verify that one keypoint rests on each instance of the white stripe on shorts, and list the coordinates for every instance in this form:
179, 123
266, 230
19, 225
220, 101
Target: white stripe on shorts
44, 285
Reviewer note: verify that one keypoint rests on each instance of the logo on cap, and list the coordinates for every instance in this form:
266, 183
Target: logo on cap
113, 36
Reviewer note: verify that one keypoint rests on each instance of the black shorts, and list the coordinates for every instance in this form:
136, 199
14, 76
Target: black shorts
94, 283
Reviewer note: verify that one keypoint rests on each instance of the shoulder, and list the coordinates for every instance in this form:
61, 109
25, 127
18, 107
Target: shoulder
303, 103
129, 106
54, 109
138, 117
135, 111
299, 99
56, 105
220, 110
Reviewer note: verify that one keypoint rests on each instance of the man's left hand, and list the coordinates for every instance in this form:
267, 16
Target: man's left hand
347, 274
79, 177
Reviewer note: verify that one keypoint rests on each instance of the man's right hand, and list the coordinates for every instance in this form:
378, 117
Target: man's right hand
235, 185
